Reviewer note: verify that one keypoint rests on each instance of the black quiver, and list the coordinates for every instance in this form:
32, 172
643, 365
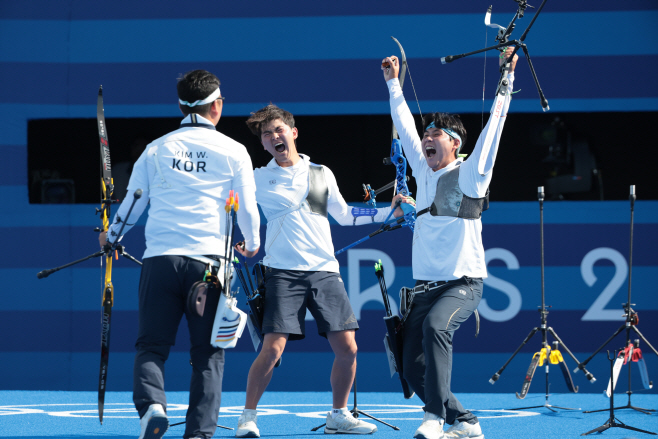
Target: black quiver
256, 302
394, 335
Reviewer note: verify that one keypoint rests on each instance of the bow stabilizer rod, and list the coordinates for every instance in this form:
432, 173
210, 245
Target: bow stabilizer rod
503, 42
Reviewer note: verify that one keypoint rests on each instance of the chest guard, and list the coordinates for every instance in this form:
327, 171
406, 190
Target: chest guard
318, 195
318, 191
449, 199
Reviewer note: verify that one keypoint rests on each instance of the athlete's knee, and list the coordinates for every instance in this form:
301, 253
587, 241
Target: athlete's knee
270, 354
349, 351
273, 347
344, 344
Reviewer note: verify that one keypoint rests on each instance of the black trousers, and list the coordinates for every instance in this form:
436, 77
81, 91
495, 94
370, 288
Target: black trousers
163, 288
427, 351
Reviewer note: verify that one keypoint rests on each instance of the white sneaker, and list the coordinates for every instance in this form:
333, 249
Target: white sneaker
431, 428
154, 423
465, 430
247, 425
347, 424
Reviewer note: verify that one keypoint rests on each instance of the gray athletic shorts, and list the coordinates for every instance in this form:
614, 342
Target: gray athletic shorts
288, 293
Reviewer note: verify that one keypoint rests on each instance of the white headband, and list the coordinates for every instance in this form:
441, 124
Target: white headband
213, 96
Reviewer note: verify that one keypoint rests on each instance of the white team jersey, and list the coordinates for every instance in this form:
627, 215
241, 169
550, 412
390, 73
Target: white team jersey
301, 240
446, 248
187, 175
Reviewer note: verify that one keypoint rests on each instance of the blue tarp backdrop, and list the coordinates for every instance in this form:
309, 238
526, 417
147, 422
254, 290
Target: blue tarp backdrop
314, 58
51, 327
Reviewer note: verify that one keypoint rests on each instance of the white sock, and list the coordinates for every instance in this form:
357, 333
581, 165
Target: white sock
249, 412
335, 412
432, 417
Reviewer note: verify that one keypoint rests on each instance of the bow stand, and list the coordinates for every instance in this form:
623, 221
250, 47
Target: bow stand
548, 353
630, 324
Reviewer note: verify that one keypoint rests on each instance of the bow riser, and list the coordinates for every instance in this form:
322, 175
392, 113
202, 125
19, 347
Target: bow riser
400, 163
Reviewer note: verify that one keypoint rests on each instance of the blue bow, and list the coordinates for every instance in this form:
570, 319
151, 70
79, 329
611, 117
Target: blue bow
400, 162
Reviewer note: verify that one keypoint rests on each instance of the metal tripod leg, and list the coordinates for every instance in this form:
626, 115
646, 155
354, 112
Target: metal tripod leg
612, 421
581, 366
495, 376
219, 426
356, 412
629, 392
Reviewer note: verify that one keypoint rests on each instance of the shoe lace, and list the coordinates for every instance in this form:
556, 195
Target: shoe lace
247, 417
346, 420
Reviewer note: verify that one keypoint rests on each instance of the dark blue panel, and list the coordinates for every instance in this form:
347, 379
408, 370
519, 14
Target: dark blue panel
305, 81
79, 331
67, 244
14, 171
118, 9
565, 244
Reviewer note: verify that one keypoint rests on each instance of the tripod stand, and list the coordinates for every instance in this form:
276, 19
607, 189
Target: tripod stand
545, 329
612, 421
630, 324
356, 412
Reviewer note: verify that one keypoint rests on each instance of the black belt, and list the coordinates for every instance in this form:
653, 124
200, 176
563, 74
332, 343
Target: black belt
428, 286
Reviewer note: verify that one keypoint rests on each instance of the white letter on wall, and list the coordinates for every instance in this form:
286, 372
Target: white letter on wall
597, 311
512, 293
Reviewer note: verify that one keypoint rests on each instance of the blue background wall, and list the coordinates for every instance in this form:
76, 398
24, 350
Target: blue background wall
315, 58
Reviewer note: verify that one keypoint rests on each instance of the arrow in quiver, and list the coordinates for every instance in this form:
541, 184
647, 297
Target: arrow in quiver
393, 341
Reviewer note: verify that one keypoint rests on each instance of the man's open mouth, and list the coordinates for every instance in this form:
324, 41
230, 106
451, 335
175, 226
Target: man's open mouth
279, 147
430, 151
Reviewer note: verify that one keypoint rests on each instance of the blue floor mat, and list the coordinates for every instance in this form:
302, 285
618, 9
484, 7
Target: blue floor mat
32, 414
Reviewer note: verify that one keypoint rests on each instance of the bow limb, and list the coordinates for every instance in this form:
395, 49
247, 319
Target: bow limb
107, 190
403, 72
397, 156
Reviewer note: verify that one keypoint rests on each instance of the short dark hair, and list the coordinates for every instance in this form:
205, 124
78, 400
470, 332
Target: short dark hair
266, 115
196, 85
450, 121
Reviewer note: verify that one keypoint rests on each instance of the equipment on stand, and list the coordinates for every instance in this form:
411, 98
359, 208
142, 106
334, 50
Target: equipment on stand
631, 353
545, 353
503, 39
632, 320
107, 191
612, 421
553, 356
